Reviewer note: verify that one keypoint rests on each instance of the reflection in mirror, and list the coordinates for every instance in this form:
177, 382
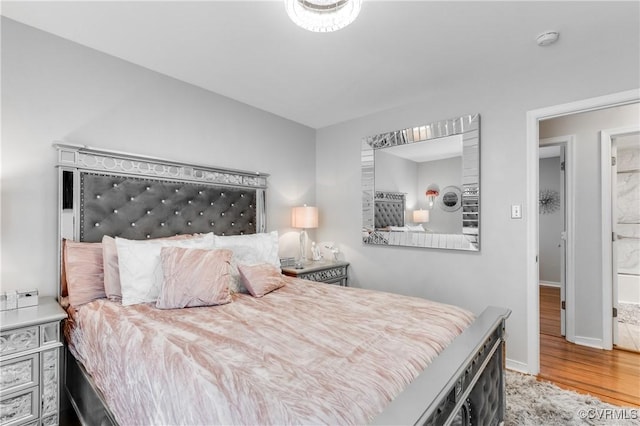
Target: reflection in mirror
66, 199
403, 172
451, 199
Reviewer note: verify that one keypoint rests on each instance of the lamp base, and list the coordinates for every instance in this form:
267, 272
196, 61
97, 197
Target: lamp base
303, 246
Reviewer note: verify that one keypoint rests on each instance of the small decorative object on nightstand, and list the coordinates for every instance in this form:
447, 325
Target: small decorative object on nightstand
329, 272
30, 364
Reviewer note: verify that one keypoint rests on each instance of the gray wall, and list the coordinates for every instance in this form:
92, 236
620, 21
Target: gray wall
397, 174
53, 89
551, 224
497, 274
588, 209
447, 172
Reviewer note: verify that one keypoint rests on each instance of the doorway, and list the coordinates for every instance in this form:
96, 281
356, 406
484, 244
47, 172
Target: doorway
533, 303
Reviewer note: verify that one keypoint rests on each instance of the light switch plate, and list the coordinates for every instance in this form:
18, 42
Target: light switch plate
516, 211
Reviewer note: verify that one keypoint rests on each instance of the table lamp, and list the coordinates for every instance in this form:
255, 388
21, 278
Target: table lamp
304, 217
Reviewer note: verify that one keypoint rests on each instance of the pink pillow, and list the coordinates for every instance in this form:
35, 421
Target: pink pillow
194, 277
261, 279
84, 272
112, 284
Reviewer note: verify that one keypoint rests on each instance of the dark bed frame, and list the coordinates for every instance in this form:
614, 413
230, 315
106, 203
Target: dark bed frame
138, 197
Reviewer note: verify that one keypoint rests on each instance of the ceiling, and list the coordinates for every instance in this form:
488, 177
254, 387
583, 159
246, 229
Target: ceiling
395, 53
436, 149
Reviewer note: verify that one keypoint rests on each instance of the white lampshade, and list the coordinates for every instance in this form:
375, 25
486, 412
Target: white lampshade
304, 217
420, 216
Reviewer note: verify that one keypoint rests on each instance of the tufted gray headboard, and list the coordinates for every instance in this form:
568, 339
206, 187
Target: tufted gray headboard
136, 197
389, 209
139, 208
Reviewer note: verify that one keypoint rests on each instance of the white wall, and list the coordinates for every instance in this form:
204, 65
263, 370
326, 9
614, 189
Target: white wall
497, 274
588, 211
55, 90
551, 224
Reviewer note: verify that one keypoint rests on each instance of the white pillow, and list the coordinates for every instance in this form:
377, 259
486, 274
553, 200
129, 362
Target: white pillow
398, 228
141, 275
251, 249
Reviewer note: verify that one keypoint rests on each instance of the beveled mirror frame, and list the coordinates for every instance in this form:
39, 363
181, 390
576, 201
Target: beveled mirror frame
469, 127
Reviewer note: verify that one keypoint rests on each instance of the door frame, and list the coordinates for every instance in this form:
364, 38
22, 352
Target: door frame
606, 141
568, 142
532, 164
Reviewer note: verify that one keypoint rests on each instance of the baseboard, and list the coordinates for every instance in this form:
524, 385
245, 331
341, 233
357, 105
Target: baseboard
518, 366
589, 341
550, 284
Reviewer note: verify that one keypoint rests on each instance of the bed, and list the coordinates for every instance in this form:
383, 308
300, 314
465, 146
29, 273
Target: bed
302, 353
392, 229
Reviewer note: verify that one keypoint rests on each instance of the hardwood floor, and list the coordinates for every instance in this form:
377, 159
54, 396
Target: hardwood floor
613, 376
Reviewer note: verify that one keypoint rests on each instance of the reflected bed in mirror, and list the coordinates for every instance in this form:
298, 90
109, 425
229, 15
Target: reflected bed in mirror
402, 173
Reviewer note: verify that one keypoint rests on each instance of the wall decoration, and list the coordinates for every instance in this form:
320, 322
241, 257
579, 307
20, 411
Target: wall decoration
432, 193
549, 201
450, 199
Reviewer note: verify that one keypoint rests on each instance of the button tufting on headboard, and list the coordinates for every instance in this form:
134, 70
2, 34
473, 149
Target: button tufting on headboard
139, 208
389, 209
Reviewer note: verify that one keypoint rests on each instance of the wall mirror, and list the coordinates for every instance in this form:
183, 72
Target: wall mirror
421, 186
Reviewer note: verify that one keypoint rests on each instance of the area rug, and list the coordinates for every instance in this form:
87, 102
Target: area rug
534, 403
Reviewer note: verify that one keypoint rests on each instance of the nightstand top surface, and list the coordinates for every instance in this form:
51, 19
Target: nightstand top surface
312, 266
46, 310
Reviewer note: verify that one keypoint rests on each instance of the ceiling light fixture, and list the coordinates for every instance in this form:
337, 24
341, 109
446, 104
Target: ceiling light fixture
323, 16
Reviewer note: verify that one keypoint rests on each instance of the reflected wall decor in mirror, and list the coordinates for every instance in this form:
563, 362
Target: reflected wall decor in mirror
402, 173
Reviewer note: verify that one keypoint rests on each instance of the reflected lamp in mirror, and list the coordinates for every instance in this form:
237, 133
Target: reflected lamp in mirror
420, 216
304, 217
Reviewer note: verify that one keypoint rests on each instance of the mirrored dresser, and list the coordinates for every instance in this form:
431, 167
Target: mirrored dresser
30, 344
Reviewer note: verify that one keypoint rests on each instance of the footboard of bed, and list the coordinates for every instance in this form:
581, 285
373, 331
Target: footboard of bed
464, 383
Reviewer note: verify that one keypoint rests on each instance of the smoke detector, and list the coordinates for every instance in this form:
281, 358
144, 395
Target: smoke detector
547, 38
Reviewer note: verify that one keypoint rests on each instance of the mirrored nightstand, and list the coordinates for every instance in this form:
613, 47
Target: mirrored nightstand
30, 364
329, 272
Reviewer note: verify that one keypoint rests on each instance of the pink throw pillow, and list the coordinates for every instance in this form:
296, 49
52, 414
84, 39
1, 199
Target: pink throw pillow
84, 272
194, 277
261, 279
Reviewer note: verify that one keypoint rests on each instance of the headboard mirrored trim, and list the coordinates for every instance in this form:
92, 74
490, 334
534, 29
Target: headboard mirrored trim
86, 158
143, 193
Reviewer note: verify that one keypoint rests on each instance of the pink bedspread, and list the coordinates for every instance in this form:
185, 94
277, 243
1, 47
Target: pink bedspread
304, 354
